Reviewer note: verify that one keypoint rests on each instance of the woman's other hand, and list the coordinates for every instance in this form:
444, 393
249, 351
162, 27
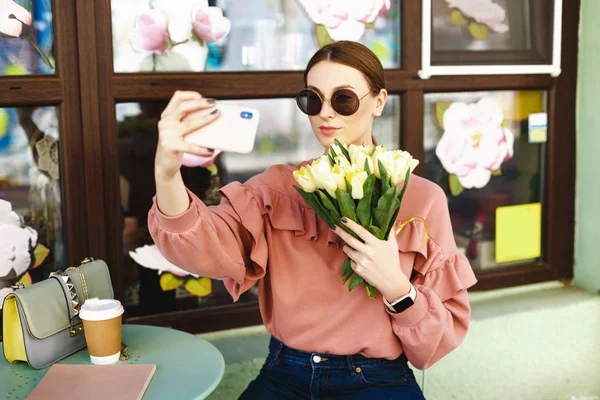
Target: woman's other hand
376, 261
173, 126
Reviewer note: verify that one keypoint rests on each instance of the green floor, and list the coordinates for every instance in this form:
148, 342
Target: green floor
244, 351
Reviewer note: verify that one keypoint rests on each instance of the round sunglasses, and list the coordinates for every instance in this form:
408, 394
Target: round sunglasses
343, 101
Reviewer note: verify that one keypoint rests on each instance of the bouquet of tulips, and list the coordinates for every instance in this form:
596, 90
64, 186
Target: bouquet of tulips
360, 183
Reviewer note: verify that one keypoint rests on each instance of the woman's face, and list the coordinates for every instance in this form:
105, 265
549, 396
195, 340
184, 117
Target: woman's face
325, 78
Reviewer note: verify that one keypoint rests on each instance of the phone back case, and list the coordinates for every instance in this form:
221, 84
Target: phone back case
234, 130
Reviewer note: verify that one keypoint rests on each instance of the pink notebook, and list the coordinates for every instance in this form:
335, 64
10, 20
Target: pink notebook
94, 382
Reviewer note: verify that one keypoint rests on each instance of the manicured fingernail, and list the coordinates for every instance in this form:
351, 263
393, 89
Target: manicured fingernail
211, 101
332, 227
214, 111
344, 219
210, 150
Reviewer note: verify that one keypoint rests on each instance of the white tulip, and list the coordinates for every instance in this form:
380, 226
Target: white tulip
327, 177
358, 155
403, 162
379, 151
305, 178
357, 182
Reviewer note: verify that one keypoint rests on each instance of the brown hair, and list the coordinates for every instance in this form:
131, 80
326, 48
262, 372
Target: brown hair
353, 55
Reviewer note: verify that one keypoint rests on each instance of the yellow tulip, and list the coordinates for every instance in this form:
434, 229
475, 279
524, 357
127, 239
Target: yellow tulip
305, 178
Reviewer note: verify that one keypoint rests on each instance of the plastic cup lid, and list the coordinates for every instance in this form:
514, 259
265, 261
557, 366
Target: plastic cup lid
100, 309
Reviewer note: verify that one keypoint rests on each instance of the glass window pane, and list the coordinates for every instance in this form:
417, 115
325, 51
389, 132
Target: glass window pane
284, 136
265, 35
477, 149
26, 38
30, 186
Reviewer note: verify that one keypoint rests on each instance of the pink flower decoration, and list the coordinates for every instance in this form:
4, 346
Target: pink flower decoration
151, 32
209, 24
483, 11
12, 27
474, 142
16, 242
151, 257
344, 20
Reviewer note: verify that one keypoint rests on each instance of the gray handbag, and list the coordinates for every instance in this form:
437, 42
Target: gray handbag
41, 323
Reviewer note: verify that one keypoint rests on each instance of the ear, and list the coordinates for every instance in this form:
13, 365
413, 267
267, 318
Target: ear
380, 103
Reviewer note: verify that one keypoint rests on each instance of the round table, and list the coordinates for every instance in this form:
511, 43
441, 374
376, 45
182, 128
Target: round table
187, 366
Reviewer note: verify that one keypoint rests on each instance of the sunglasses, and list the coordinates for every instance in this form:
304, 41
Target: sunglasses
343, 101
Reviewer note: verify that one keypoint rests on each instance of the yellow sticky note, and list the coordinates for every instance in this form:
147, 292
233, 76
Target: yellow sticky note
518, 232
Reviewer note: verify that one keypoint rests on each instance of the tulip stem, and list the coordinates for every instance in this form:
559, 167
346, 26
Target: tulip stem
42, 54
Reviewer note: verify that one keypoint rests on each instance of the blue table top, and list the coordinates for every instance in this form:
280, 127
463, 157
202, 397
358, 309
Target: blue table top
187, 366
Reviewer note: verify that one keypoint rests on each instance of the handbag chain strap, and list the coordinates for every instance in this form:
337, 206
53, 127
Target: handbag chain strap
83, 283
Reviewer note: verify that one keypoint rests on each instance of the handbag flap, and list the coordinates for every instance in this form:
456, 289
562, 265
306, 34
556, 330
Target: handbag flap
45, 308
45, 305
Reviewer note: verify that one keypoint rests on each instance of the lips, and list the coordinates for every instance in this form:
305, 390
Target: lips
328, 130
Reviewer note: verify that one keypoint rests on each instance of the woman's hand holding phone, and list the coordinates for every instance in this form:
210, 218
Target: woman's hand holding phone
173, 126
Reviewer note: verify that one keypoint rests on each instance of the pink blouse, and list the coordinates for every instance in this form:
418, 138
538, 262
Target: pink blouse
264, 232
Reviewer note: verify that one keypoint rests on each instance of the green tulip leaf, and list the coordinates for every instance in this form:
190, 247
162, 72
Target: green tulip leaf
385, 179
343, 149
440, 110
347, 270
313, 201
354, 282
364, 209
346, 202
367, 168
386, 208
323, 37
455, 187
370, 290
335, 214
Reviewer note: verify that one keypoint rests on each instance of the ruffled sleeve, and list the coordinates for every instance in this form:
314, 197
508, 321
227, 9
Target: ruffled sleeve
438, 321
221, 242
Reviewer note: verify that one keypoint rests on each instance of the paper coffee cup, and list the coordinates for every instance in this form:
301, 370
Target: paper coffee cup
102, 320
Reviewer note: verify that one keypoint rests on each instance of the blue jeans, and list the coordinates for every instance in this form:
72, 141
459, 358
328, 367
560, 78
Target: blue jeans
294, 374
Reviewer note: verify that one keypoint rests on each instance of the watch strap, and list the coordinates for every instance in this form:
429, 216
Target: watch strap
408, 298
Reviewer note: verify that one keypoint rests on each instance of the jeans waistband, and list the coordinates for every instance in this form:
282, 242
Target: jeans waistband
279, 350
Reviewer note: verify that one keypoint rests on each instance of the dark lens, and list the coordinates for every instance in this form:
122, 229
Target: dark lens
344, 102
309, 102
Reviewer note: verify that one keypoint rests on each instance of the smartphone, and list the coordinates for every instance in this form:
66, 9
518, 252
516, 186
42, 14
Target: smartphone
233, 131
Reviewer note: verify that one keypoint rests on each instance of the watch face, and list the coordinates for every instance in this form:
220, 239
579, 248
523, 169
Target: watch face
403, 305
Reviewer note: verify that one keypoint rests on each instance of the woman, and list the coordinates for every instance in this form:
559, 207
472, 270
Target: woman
326, 342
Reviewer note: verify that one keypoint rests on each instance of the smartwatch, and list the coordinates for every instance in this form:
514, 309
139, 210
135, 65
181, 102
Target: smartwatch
403, 302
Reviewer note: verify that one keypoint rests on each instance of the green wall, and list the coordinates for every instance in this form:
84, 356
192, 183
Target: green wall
587, 215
